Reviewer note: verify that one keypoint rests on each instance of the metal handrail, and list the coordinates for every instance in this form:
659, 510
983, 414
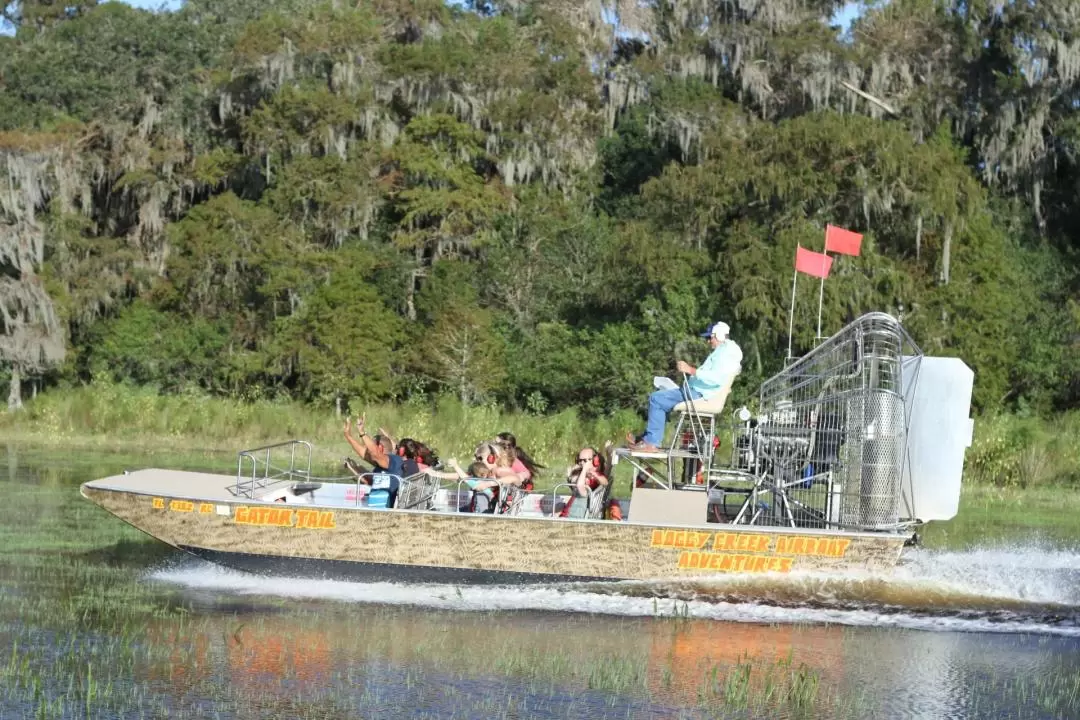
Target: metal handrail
246, 486
596, 492
508, 498
495, 500
555, 494
370, 483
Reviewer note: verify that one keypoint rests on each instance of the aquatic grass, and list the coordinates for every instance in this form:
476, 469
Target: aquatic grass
91, 635
988, 515
117, 417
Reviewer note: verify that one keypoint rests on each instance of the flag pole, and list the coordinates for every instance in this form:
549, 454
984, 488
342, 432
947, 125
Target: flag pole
821, 290
820, 297
791, 315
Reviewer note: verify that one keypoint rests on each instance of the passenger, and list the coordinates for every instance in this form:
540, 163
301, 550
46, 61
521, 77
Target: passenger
413, 450
479, 478
426, 457
409, 451
711, 380
380, 453
586, 475
499, 459
523, 465
356, 468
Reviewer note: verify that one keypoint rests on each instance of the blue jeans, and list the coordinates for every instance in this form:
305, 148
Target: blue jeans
660, 404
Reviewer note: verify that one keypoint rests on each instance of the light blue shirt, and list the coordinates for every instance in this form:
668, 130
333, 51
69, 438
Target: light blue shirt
719, 369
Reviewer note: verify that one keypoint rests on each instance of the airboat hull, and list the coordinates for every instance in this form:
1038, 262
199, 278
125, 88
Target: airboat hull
198, 513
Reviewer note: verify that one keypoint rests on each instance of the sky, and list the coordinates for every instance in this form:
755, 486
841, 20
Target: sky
844, 17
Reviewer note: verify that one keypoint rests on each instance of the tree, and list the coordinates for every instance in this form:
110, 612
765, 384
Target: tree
31, 336
444, 192
341, 342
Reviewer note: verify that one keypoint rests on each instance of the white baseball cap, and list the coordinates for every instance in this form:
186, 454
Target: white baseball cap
718, 330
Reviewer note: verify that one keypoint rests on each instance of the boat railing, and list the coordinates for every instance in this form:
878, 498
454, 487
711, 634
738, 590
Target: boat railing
263, 470
594, 501
462, 489
373, 477
511, 498
417, 492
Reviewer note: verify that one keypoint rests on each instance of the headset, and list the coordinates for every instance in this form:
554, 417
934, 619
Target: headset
408, 448
491, 454
597, 461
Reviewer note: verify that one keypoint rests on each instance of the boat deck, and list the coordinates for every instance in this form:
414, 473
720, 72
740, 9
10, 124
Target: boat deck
174, 483
210, 487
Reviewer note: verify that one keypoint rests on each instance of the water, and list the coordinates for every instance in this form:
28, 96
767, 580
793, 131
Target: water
97, 620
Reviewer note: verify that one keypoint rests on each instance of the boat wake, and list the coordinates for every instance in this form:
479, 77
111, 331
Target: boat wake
1004, 589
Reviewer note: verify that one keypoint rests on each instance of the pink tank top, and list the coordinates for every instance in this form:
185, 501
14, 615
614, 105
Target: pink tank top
520, 469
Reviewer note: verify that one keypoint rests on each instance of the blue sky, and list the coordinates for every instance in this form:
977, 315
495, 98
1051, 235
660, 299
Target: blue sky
844, 17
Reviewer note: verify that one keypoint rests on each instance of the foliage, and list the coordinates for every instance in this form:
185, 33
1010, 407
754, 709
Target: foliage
518, 203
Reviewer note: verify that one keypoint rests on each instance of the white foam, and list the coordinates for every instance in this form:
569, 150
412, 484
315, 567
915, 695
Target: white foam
1025, 573
1029, 575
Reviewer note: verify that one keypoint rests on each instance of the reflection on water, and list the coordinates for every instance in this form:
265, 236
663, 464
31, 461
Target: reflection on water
96, 620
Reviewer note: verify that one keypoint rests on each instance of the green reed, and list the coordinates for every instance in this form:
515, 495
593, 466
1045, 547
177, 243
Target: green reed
117, 417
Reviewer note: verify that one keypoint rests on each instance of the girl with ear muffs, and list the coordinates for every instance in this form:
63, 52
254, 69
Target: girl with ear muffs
523, 465
585, 475
499, 460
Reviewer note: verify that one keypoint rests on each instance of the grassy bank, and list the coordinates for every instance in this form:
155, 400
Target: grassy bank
1048, 516
124, 418
1007, 452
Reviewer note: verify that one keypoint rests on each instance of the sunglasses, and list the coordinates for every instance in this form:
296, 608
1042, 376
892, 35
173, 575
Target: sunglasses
581, 459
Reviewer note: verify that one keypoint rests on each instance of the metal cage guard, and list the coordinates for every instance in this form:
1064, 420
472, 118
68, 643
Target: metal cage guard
830, 441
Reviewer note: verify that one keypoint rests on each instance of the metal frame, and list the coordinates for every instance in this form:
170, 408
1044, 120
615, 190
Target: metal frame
828, 447
247, 486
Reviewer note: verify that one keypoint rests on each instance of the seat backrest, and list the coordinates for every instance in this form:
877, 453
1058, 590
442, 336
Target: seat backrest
597, 500
417, 492
511, 499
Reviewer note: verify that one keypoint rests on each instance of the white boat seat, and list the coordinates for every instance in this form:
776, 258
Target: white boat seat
706, 406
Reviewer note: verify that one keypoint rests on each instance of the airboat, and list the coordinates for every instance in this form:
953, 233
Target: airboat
851, 448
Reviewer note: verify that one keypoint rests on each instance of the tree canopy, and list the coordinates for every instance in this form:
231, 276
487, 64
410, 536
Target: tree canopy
535, 203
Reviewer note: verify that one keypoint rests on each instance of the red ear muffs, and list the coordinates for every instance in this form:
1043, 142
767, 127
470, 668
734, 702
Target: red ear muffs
596, 460
401, 452
491, 459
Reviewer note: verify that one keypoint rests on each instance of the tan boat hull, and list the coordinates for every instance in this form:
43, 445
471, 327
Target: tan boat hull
350, 542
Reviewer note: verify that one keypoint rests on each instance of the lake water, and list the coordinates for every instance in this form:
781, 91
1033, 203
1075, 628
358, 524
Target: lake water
97, 620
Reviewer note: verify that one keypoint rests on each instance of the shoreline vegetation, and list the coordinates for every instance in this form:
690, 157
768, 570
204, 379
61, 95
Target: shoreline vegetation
1008, 451
1020, 474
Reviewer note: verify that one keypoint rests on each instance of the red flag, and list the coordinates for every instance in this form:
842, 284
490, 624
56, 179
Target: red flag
812, 263
839, 240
